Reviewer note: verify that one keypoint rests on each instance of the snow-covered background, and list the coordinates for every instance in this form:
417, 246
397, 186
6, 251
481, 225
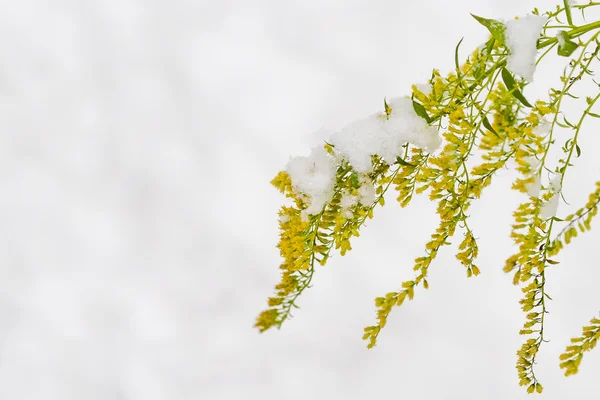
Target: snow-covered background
138, 226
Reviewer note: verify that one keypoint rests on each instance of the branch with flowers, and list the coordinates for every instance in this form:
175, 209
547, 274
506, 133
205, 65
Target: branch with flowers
448, 140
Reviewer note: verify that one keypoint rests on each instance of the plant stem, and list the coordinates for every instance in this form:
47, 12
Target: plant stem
573, 33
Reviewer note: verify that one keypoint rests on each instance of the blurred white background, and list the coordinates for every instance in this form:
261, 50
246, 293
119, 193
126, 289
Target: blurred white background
138, 226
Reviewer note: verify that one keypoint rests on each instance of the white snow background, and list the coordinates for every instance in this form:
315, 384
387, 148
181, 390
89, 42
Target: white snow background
138, 226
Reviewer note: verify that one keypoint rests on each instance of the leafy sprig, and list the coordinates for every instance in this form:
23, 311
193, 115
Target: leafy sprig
487, 122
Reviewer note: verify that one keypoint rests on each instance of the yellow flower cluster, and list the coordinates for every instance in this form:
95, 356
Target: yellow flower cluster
531, 234
571, 358
405, 181
445, 175
305, 241
296, 261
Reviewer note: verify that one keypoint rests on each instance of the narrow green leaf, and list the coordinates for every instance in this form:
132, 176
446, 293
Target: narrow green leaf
478, 72
578, 150
511, 85
572, 96
496, 28
403, 162
421, 112
508, 79
354, 180
489, 45
566, 121
387, 108
456, 57
567, 143
566, 46
593, 114
488, 126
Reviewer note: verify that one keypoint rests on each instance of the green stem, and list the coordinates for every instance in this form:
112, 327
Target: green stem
558, 100
573, 33
568, 12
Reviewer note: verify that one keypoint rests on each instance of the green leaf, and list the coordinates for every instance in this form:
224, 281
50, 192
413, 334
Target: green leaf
496, 28
567, 143
354, 180
403, 162
387, 108
489, 45
421, 112
511, 85
593, 114
566, 46
578, 150
572, 96
488, 126
566, 121
478, 71
456, 57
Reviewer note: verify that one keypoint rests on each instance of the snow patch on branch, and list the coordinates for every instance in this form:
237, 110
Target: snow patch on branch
314, 177
550, 207
521, 39
376, 135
